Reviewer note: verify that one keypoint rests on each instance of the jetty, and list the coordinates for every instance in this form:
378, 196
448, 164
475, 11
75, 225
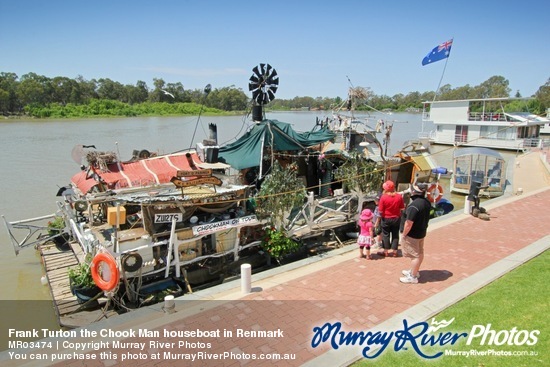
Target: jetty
70, 312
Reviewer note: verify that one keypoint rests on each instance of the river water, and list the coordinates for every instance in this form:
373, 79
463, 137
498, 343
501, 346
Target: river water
36, 161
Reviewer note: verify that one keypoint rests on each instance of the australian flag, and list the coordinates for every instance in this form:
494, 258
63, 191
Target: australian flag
438, 53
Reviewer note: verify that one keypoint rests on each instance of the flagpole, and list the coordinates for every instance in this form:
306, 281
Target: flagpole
441, 79
442, 74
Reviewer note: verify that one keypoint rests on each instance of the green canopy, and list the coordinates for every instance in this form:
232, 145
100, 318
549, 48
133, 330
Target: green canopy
246, 152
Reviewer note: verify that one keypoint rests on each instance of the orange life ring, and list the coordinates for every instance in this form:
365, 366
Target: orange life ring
434, 193
106, 285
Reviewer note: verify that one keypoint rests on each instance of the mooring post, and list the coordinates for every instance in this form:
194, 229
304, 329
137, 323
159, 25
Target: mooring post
246, 278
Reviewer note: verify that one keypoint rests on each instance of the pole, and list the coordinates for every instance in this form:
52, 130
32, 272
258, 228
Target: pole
441, 79
207, 90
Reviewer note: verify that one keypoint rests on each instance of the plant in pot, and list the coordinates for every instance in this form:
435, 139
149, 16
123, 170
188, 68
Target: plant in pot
81, 282
56, 228
278, 245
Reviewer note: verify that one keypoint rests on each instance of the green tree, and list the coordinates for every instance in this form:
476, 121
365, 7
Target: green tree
227, 99
543, 95
108, 89
280, 192
65, 90
8, 94
360, 176
34, 89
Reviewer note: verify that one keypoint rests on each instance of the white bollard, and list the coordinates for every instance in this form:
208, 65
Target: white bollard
520, 191
169, 304
467, 206
246, 278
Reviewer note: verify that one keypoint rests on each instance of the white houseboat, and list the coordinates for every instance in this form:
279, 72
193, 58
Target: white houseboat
482, 123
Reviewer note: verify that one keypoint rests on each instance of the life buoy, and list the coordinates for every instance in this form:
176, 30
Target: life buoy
434, 193
112, 282
131, 262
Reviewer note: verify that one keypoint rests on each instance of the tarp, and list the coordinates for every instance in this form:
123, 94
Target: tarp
156, 170
247, 151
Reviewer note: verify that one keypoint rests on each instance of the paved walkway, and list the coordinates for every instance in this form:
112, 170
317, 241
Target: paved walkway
463, 254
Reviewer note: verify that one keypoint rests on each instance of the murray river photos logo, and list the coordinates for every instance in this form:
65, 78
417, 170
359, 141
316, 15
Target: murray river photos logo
419, 336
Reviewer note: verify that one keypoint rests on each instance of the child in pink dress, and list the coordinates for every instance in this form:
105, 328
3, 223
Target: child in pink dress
366, 233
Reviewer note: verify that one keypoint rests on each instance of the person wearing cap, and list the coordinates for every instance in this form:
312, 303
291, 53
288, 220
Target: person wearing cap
417, 216
390, 206
364, 240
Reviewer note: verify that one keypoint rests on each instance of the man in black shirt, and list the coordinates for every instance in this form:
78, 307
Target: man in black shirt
415, 228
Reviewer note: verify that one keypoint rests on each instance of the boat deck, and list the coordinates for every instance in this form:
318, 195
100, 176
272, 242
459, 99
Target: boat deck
69, 311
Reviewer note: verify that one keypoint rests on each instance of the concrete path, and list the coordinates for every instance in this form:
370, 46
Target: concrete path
463, 254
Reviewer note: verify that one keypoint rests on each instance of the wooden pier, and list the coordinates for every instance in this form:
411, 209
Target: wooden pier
69, 311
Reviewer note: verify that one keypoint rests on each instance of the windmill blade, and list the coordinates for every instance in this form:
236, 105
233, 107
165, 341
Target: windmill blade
256, 71
255, 94
273, 82
273, 74
270, 94
273, 88
252, 86
262, 68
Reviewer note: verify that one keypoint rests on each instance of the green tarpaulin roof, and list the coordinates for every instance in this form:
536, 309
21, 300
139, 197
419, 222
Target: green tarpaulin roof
246, 152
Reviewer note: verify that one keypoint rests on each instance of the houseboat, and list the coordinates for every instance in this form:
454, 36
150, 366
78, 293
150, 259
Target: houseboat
482, 123
482, 166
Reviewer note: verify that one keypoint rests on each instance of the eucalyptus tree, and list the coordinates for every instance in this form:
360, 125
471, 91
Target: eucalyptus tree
34, 89
109, 89
543, 95
9, 103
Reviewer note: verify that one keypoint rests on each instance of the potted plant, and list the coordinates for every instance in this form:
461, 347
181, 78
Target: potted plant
56, 228
278, 245
81, 282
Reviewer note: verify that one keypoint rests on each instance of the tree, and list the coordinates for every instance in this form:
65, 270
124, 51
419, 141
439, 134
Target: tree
228, 99
8, 98
109, 89
543, 95
281, 191
65, 90
88, 89
34, 89
136, 94
495, 86
360, 176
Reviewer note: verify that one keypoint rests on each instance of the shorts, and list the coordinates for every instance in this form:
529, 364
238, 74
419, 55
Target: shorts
412, 247
364, 241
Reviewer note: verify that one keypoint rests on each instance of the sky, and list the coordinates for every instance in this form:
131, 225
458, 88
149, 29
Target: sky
319, 48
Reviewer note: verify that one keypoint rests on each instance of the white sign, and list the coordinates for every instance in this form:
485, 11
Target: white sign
223, 225
167, 217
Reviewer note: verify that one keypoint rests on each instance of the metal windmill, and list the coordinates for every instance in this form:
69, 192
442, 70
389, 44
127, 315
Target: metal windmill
263, 84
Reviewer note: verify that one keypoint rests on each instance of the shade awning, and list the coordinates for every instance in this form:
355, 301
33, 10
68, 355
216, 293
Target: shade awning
144, 172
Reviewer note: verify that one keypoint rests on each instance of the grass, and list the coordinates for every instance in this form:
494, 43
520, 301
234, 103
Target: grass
519, 299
